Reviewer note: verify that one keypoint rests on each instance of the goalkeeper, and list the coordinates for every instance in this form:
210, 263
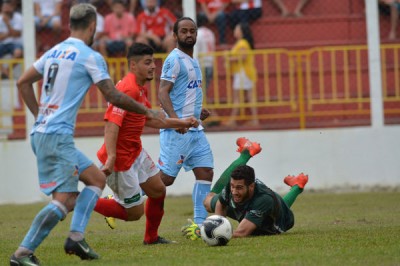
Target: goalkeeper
240, 196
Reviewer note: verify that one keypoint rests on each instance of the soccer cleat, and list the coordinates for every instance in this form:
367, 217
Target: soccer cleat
80, 249
30, 260
160, 240
245, 144
300, 180
110, 220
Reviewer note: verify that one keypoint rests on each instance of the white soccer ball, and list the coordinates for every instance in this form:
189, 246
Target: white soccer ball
216, 230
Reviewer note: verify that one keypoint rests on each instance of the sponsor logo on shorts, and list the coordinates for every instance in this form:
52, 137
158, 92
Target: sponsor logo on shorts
133, 199
180, 161
76, 171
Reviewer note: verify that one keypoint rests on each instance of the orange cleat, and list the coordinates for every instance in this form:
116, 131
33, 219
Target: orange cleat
245, 144
300, 180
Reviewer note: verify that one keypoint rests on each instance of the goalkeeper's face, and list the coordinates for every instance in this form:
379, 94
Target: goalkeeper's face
240, 191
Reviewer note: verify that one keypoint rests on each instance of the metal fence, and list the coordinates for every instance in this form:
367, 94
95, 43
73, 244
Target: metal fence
312, 88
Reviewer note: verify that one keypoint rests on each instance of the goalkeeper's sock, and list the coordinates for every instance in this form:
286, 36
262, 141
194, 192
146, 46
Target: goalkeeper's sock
154, 211
291, 196
111, 208
226, 175
200, 190
84, 207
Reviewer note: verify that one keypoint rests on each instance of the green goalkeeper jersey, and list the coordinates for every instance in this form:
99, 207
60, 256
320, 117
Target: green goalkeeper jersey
266, 209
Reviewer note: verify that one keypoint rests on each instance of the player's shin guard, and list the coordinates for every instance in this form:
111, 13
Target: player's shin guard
43, 223
154, 211
83, 209
200, 190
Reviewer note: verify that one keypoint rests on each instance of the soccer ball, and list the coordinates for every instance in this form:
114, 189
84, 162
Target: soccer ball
216, 230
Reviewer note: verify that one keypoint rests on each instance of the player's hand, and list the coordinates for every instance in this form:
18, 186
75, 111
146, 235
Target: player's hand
108, 167
192, 121
191, 230
204, 114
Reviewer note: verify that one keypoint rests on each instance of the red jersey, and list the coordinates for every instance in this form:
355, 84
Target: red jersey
129, 144
160, 22
213, 5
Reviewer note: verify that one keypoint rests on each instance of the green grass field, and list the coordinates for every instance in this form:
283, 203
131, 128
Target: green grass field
330, 229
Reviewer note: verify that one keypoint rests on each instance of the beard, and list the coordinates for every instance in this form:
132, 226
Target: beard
91, 40
186, 45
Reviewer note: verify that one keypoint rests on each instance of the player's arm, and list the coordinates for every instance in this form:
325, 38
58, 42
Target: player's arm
245, 228
165, 100
110, 139
25, 87
173, 123
125, 102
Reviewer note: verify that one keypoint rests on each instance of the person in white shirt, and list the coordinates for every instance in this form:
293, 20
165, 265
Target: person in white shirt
48, 14
10, 34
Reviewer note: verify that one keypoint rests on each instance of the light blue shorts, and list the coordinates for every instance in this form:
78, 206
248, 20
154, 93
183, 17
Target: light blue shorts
59, 162
190, 150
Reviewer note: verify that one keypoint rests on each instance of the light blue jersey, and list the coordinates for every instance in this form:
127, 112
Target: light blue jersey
68, 69
186, 94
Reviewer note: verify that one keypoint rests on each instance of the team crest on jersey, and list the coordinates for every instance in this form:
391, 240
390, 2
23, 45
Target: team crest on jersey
180, 161
66, 54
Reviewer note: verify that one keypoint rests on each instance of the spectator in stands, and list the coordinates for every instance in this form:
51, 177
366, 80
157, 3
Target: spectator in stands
155, 27
394, 16
119, 30
214, 11
134, 7
245, 11
11, 25
48, 15
205, 48
244, 71
206, 43
297, 11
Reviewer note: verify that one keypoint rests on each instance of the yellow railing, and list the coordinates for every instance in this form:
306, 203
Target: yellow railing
318, 87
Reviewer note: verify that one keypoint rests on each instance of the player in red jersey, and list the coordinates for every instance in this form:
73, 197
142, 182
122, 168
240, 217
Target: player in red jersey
154, 27
128, 166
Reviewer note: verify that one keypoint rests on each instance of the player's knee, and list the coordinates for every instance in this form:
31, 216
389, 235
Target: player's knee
135, 213
167, 180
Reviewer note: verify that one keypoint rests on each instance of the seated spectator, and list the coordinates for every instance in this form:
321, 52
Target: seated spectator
297, 11
48, 15
394, 16
245, 11
214, 11
299, 8
10, 34
119, 30
155, 26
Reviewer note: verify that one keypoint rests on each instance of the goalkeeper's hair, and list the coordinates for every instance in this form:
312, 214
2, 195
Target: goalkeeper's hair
137, 50
244, 172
